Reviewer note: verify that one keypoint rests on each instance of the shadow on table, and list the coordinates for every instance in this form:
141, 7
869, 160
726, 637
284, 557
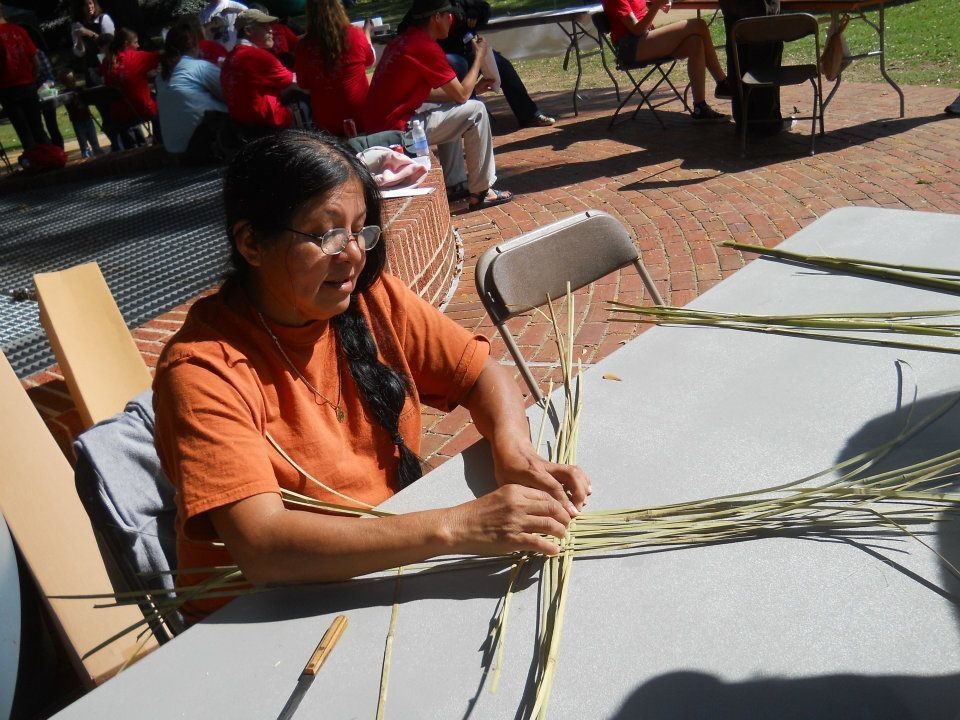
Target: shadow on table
689, 695
939, 437
697, 696
278, 604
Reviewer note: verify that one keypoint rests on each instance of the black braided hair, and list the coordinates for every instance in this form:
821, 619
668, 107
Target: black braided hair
383, 388
267, 183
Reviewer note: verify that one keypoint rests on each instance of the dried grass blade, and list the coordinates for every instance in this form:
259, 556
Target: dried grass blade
388, 650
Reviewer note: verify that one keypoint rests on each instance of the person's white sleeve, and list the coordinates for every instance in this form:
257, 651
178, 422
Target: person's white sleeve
78, 48
106, 25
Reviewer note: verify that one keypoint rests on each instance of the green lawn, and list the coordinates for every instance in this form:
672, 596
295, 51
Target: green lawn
11, 142
923, 42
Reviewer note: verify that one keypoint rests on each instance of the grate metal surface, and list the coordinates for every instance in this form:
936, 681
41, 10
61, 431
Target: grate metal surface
158, 238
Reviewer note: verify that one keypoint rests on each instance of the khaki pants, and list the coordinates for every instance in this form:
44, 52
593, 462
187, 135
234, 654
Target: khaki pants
461, 134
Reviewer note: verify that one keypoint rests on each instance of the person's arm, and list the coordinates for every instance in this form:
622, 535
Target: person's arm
77, 31
272, 544
211, 80
498, 413
106, 25
642, 27
460, 91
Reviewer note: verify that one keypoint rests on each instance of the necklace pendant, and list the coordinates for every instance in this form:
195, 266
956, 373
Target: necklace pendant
340, 414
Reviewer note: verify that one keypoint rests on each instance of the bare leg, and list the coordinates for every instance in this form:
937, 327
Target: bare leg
685, 39
709, 53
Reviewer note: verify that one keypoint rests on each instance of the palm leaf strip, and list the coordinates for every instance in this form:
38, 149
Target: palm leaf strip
907, 274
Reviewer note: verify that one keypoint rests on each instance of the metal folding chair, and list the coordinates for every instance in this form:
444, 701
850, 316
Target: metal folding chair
519, 275
778, 28
652, 68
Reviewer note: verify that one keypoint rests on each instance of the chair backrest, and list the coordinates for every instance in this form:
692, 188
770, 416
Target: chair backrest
774, 28
100, 361
600, 22
100, 95
519, 275
131, 503
56, 540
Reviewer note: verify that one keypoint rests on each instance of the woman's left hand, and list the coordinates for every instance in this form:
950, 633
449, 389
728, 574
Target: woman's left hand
567, 483
497, 410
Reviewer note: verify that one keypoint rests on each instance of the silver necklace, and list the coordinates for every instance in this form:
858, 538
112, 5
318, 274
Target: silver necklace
335, 406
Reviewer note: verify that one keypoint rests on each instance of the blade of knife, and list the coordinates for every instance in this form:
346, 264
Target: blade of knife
313, 665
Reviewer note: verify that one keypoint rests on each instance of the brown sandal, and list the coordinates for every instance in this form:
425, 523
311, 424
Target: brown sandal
478, 201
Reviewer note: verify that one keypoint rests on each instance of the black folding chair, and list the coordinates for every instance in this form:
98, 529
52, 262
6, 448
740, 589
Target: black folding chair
778, 28
652, 68
101, 97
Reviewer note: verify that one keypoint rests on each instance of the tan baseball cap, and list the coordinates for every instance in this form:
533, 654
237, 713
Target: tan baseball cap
252, 17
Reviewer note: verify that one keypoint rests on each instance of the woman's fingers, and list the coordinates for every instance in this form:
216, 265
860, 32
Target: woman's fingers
576, 485
513, 518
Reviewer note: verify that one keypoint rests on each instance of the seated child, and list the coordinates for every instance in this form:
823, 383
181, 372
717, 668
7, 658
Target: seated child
80, 117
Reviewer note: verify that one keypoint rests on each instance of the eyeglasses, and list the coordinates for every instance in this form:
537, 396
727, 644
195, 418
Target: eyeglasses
332, 242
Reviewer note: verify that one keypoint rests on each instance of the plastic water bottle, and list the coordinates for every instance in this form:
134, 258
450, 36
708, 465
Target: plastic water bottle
420, 146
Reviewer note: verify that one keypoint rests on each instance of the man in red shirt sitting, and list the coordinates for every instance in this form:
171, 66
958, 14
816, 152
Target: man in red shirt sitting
415, 81
19, 66
252, 77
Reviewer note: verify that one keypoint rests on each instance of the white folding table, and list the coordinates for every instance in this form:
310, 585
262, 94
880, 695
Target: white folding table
787, 627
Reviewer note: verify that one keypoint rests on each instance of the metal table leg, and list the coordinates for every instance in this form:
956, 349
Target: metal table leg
878, 28
577, 31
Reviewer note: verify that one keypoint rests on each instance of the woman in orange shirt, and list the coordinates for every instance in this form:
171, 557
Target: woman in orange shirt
331, 63
306, 372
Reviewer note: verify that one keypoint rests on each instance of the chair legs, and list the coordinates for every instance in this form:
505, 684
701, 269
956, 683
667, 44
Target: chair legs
744, 106
815, 116
813, 120
645, 94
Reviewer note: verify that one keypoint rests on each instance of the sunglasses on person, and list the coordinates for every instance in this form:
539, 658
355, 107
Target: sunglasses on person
333, 241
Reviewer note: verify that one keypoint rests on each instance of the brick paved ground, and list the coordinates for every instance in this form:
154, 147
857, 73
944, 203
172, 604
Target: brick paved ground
682, 190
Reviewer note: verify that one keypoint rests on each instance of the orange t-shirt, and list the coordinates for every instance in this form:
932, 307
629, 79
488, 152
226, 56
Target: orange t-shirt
221, 384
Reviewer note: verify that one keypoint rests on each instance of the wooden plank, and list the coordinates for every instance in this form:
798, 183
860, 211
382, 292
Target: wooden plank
53, 532
99, 359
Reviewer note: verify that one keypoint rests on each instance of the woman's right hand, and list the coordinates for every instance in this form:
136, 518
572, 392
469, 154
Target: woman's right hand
479, 45
512, 518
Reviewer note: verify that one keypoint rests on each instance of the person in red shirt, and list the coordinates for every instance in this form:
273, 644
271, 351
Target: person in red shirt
414, 81
130, 70
19, 67
636, 39
212, 51
285, 42
252, 77
331, 63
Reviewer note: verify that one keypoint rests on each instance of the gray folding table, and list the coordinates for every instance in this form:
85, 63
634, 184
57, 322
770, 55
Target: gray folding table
768, 628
